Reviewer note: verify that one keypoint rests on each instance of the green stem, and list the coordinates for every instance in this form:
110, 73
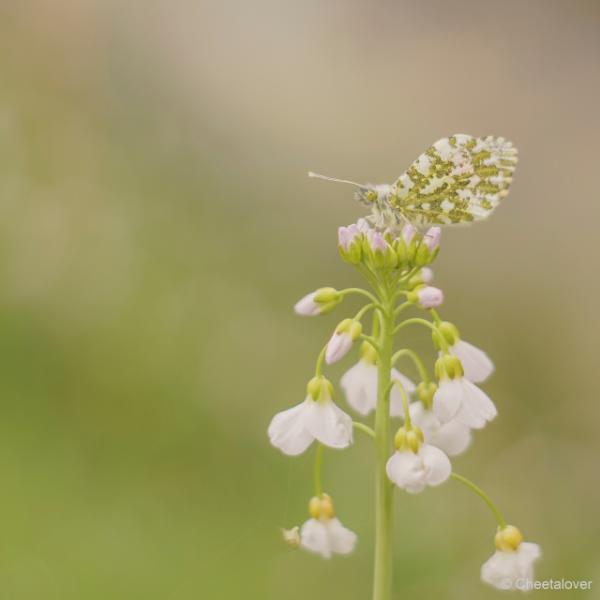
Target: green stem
405, 404
382, 586
416, 360
483, 496
364, 428
317, 473
358, 291
320, 361
419, 321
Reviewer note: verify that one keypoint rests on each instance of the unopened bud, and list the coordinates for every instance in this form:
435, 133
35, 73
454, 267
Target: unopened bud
508, 538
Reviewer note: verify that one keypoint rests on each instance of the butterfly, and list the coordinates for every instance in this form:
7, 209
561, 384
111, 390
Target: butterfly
457, 180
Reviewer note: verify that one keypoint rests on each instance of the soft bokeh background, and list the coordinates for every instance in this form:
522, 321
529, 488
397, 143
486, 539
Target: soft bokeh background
157, 225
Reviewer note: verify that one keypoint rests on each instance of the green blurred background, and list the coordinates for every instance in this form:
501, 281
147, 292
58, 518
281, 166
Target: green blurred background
157, 226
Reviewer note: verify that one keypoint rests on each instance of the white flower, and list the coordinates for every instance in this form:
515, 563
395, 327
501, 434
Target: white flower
342, 339
323, 533
293, 430
359, 383
452, 437
511, 566
461, 401
327, 536
476, 363
414, 471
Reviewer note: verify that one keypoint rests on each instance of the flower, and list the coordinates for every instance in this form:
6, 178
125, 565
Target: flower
359, 383
318, 302
476, 363
426, 296
452, 437
342, 339
459, 400
323, 533
416, 464
432, 238
318, 417
291, 536
429, 246
349, 243
511, 566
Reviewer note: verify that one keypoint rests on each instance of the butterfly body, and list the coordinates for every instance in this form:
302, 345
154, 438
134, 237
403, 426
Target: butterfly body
459, 179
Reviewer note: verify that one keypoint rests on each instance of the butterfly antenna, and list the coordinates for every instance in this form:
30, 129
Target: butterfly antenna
318, 176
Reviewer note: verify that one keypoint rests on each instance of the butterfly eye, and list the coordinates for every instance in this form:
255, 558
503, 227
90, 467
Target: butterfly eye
371, 195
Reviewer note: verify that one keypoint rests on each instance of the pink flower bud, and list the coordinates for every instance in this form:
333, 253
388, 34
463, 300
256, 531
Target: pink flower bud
347, 236
377, 241
429, 296
339, 345
426, 275
408, 233
307, 307
432, 238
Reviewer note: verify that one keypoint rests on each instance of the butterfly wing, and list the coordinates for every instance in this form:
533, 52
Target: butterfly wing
457, 180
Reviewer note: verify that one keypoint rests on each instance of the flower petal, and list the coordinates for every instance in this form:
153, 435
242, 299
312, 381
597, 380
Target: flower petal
287, 430
341, 539
437, 464
315, 537
329, 424
360, 386
476, 363
406, 470
447, 399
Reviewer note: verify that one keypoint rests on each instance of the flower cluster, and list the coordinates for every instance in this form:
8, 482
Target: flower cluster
438, 414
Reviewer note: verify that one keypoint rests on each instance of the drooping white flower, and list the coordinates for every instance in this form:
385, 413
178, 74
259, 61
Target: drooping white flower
323, 533
318, 302
360, 384
416, 464
511, 566
457, 399
452, 437
318, 417
476, 363
342, 339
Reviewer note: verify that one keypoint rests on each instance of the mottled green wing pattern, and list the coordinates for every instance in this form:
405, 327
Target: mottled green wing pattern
457, 180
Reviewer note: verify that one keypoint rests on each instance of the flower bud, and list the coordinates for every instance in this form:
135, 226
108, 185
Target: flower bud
405, 245
426, 296
429, 246
342, 339
320, 388
379, 251
318, 302
321, 507
448, 331
408, 439
349, 243
508, 538
424, 275
448, 366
